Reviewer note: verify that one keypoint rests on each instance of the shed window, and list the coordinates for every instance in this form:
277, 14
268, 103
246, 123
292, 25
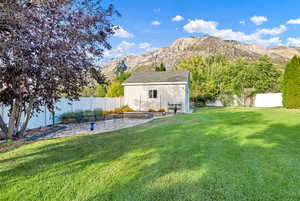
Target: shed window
153, 93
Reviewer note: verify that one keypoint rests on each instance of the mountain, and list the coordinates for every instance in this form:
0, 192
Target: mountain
207, 45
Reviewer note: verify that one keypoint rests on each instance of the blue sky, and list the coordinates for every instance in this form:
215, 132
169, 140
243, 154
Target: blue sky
149, 24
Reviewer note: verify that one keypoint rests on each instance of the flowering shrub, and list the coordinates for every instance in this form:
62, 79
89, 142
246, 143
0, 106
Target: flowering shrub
162, 110
118, 110
151, 110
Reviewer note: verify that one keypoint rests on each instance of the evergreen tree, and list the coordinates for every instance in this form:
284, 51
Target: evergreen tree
160, 68
291, 84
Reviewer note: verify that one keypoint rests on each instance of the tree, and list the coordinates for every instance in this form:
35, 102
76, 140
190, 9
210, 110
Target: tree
291, 84
160, 68
115, 89
87, 91
205, 75
100, 90
47, 48
261, 76
214, 77
98, 76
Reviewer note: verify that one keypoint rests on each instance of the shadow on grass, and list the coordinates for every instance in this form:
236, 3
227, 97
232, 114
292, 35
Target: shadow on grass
214, 154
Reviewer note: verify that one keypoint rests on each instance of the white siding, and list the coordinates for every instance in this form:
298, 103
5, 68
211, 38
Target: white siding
137, 96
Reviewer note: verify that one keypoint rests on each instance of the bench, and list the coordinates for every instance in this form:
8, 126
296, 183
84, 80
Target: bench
172, 107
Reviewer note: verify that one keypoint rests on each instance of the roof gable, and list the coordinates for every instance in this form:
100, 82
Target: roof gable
158, 77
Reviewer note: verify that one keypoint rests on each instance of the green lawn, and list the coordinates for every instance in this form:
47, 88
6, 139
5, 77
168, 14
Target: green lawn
212, 154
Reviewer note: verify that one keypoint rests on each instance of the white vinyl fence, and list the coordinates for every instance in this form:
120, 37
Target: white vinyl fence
260, 100
268, 100
45, 117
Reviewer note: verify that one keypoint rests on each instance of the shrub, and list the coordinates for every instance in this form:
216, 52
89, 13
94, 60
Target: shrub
80, 114
162, 110
151, 110
127, 109
291, 84
108, 112
71, 115
119, 110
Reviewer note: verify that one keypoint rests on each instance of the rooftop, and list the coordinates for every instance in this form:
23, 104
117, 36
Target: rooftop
158, 77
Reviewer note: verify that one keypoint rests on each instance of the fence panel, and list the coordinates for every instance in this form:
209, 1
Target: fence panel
268, 100
64, 105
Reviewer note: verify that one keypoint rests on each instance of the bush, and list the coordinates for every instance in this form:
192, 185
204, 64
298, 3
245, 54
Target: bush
151, 110
291, 84
78, 115
127, 109
119, 110
162, 110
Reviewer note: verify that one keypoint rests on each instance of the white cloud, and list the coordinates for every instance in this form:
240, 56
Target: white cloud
144, 45
274, 31
122, 33
293, 41
155, 23
127, 48
177, 18
147, 47
242, 22
294, 21
210, 28
156, 10
121, 50
258, 20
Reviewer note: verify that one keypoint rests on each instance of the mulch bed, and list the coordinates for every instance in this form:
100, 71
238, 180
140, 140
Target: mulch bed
30, 135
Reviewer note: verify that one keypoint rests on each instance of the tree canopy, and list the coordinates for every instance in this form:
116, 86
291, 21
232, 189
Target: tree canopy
215, 75
46, 47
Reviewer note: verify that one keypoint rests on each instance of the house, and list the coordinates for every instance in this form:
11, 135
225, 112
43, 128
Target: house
158, 90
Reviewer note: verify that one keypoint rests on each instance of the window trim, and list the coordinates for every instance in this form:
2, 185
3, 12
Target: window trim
152, 93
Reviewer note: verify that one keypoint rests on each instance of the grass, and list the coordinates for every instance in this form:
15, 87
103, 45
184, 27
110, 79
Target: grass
212, 154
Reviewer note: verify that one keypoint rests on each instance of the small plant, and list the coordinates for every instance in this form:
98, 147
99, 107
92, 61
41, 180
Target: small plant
127, 109
80, 115
118, 110
161, 110
151, 110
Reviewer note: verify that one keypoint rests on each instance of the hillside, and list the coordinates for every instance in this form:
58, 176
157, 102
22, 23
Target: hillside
207, 45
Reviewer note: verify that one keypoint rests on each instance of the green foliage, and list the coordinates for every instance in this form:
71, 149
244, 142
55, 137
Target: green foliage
260, 76
100, 90
116, 89
291, 84
160, 68
81, 114
87, 91
121, 77
205, 74
215, 76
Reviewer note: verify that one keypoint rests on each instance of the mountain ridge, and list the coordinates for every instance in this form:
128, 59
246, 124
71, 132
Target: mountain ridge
205, 46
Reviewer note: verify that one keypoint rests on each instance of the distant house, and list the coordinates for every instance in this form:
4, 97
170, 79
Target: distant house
158, 90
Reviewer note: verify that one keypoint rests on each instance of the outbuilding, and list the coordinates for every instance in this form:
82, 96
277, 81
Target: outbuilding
144, 91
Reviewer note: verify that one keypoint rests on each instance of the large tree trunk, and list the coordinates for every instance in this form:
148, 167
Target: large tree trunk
3, 127
11, 123
27, 118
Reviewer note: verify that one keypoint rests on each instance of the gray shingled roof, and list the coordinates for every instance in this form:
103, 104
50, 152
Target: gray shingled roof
154, 77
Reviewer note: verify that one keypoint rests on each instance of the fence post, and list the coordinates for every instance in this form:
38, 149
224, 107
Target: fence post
140, 101
45, 109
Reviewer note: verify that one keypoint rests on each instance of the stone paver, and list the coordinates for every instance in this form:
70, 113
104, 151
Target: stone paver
100, 127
